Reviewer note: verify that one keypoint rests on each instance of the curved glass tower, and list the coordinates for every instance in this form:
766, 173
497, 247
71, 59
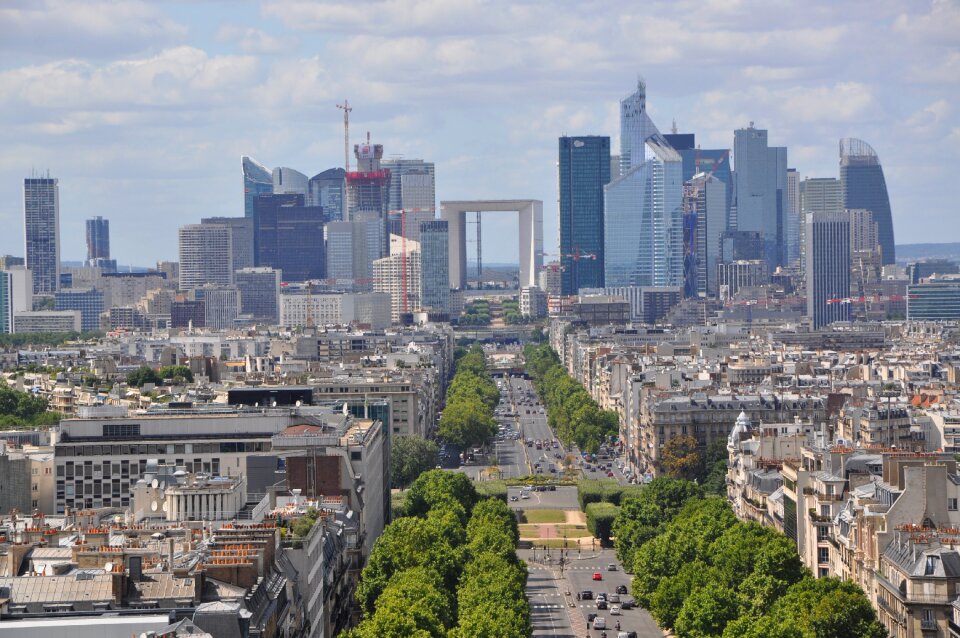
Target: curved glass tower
257, 180
863, 186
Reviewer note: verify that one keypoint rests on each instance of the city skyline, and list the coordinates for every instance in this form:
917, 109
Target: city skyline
180, 93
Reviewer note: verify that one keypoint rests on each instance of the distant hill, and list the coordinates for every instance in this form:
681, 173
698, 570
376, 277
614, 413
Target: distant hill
913, 252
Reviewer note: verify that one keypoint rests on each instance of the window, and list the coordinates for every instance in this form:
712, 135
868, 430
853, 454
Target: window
121, 430
952, 504
823, 555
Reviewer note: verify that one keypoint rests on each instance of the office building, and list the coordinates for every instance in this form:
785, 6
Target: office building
709, 161
793, 220
734, 275
16, 295
187, 313
9, 261
399, 276
241, 238
705, 198
827, 238
259, 290
549, 279
328, 190
864, 231
257, 180
369, 308
413, 191
643, 208
920, 270
657, 301
288, 236
584, 171
89, 301
936, 299
435, 266
533, 302
41, 217
206, 255
863, 186
347, 263
761, 190
736, 245
287, 181
817, 195
98, 239
221, 306
47, 321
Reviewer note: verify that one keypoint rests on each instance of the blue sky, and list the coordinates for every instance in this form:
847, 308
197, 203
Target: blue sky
142, 110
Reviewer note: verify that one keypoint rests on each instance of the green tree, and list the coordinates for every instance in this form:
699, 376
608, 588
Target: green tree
411, 605
667, 601
143, 375
714, 479
467, 423
411, 456
434, 487
178, 374
706, 612
680, 458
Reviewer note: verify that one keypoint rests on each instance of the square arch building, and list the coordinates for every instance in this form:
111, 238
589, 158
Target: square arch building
530, 212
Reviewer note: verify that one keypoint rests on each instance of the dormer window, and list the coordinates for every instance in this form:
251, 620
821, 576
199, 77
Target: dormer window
933, 563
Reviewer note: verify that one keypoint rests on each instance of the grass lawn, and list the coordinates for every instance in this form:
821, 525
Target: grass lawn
545, 516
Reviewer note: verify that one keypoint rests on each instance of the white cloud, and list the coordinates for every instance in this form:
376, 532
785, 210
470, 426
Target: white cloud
251, 40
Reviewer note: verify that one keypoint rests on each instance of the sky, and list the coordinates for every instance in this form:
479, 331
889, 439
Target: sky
143, 109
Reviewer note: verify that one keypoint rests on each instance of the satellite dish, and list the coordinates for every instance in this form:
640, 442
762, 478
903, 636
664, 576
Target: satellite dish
155, 484
154, 506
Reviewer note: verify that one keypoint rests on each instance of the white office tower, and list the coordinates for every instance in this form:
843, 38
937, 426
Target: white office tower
206, 255
221, 307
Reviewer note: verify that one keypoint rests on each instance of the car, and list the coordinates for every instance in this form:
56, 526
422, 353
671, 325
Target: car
513, 498
621, 589
599, 623
601, 604
524, 495
609, 474
586, 594
628, 603
601, 595
627, 634
613, 598
612, 567
590, 617
552, 487
614, 610
597, 576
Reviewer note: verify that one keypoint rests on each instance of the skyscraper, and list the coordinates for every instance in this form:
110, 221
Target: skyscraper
707, 199
288, 236
287, 181
329, 191
368, 190
221, 306
399, 275
760, 172
435, 266
792, 218
41, 216
863, 186
828, 267
257, 180
98, 239
206, 255
89, 301
259, 290
241, 238
643, 208
817, 195
584, 171
347, 253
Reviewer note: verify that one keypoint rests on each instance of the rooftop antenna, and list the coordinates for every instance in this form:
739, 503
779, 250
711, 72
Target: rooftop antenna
346, 108
673, 129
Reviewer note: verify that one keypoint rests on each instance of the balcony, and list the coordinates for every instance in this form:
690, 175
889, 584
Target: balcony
928, 624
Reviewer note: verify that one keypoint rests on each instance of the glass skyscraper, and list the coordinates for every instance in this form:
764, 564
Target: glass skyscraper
41, 216
435, 266
98, 239
288, 236
643, 208
257, 180
584, 171
329, 190
863, 186
761, 190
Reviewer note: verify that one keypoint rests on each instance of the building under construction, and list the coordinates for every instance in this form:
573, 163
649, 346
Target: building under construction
368, 190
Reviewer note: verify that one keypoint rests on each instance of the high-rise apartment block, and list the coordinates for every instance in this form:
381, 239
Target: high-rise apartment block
257, 180
584, 171
435, 266
863, 186
259, 293
98, 239
643, 208
41, 214
760, 173
206, 255
288, 236
221, 306
828, 267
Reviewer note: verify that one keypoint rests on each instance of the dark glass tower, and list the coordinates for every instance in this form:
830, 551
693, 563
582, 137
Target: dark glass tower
257, 180
863, 186
98, 239
288, 236
584, 171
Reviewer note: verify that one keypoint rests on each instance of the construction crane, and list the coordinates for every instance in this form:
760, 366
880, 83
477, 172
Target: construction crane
346, 108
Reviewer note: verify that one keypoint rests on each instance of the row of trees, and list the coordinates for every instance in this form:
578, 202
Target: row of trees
705, 574
571, 411
145, 374
682, 458
24, 410
446, 569
20, 339
476, 313
511, 312
471, 397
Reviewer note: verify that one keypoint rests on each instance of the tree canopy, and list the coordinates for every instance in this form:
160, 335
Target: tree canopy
411, 456
24, 409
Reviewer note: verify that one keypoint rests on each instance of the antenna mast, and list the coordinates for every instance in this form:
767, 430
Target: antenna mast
346, 108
